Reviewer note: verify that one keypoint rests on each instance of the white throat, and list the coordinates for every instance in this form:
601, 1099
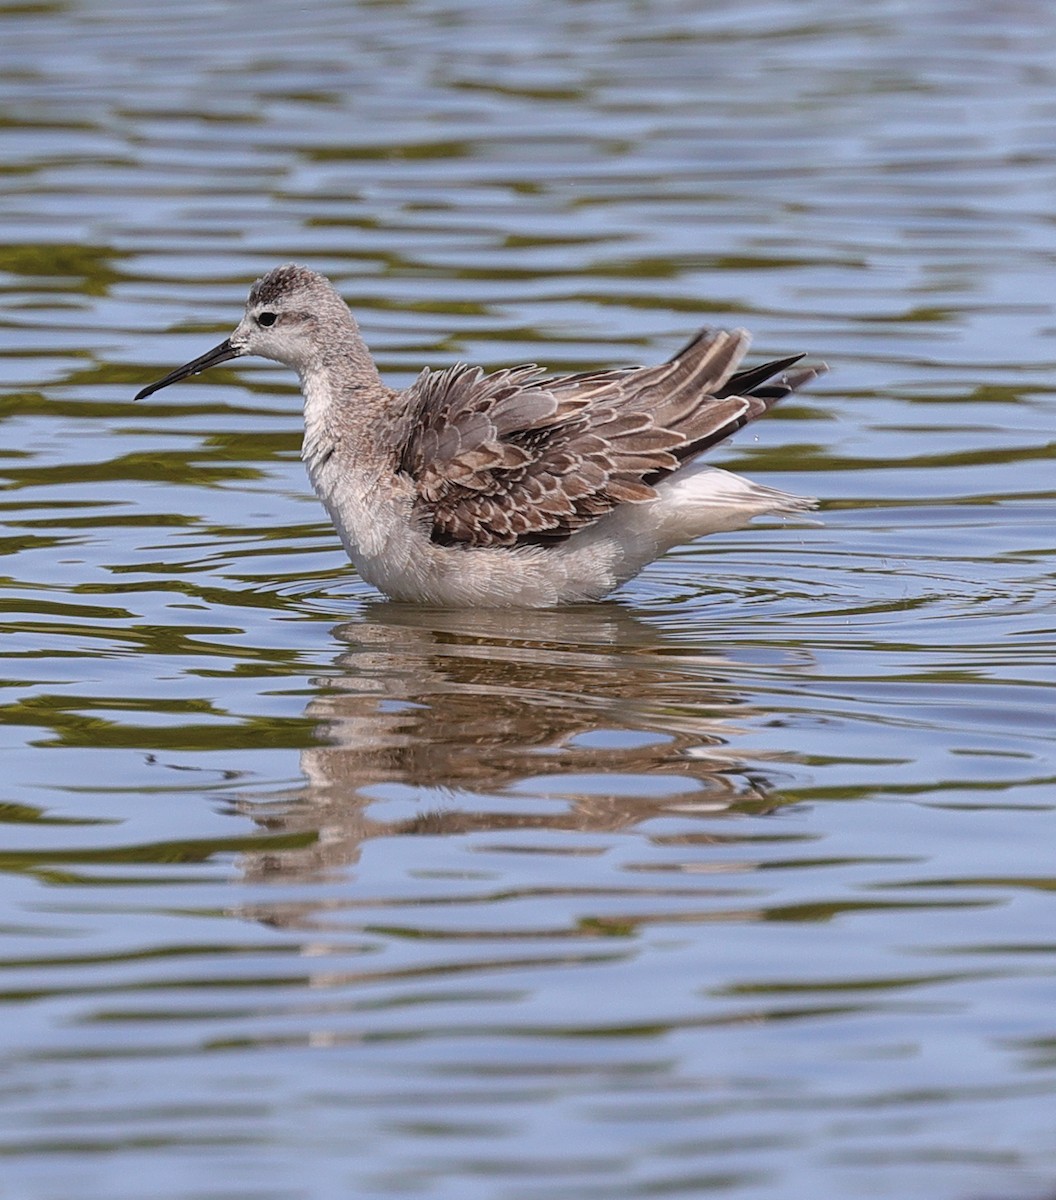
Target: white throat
319, 436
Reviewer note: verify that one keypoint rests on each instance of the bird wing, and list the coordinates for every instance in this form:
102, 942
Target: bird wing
518, 457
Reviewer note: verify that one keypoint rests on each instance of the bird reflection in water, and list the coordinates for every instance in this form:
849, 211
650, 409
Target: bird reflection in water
485, 718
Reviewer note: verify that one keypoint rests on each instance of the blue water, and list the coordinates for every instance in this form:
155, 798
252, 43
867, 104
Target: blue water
739, 884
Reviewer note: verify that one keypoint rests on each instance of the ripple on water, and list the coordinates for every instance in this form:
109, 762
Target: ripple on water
736, 883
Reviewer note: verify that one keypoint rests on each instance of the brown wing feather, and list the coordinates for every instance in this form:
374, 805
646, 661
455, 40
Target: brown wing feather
517, 457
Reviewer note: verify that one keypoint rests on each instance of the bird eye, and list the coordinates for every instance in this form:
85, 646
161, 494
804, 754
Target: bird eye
266, 319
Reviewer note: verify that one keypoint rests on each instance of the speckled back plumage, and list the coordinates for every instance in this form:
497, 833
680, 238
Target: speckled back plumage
520, 458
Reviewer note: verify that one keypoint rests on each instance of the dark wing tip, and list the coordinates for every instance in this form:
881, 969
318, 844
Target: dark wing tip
773, 381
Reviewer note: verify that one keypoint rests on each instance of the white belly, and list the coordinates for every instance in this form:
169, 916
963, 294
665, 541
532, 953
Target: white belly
392, 550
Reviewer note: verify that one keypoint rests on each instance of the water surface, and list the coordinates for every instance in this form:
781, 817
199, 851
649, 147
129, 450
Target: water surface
739, 884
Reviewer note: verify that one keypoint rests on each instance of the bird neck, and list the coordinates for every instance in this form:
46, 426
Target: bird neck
345, 402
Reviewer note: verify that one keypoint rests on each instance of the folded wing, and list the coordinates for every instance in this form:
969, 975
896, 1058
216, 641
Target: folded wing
519, 458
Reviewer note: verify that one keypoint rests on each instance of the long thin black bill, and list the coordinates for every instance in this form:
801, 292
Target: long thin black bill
211, 358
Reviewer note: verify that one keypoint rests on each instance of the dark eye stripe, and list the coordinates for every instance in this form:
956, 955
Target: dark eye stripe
266, 318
